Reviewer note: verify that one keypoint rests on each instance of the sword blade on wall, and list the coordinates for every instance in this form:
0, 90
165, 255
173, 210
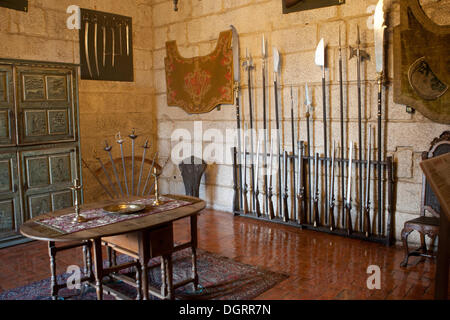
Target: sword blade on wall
86, 46
96, 47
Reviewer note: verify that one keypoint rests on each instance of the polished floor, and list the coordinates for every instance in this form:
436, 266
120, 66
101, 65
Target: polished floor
320, 266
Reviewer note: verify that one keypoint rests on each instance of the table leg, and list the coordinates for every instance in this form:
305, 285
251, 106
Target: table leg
144, 254
52, 254
169, 271
194, 241
98, 263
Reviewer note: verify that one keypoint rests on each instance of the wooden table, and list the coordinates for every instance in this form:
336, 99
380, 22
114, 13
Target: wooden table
141, 226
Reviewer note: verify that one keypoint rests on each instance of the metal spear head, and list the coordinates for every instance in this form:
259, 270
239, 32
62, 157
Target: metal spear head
276, 60
307, 96
320, 54
236, 54
379, 27
263, 47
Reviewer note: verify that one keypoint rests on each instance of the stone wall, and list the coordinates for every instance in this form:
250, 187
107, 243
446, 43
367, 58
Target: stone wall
106, 107
196, 27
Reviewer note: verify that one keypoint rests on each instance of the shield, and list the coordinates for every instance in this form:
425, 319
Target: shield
422, 63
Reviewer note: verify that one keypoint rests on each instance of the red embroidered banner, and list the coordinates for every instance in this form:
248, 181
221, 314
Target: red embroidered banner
199, 84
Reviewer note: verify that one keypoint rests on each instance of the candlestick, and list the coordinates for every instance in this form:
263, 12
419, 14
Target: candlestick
157, 201
76, 188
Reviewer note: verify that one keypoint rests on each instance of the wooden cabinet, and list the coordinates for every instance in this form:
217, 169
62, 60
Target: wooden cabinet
39, 141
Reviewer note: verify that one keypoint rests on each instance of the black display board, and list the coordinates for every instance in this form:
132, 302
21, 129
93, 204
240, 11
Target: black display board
21, 5
300, 5
106, 46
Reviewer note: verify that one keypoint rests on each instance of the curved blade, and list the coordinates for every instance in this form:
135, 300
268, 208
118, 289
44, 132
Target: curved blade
86, 47
276, 60
235, 46
96, 48
379, 27
320, 54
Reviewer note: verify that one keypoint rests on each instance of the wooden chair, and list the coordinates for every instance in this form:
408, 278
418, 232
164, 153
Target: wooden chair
426, 225
192, 170
124, 176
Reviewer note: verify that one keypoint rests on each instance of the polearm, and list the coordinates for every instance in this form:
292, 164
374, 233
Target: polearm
308, 148
341, 96
270, 194
320, 61
237, 80
332, 198
301, 187
348, 199
286, 189
379, 27
360, 56
264, 56
235, 180
248, 65
245, 173
257, 205
316, 218
367, 196
276, 69
293, 151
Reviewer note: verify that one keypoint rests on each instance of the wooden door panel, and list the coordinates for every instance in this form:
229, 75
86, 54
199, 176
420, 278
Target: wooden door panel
10, 214
7, 123
46, 105
49, 168
47, 175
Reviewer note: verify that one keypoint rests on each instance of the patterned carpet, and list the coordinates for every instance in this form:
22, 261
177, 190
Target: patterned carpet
220, 278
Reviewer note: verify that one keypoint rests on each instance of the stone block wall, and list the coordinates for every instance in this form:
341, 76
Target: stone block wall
196, 27
106, 107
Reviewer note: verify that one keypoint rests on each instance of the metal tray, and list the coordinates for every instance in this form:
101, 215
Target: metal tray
124, 208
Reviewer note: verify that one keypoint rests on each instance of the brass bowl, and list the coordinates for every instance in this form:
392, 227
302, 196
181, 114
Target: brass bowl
124, 208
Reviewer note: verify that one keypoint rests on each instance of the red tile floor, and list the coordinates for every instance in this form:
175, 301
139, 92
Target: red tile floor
320, 266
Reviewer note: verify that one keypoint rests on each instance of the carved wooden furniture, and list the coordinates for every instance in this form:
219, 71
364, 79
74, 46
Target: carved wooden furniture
192, 170
149, 231
39, 141
426, 225
437, 172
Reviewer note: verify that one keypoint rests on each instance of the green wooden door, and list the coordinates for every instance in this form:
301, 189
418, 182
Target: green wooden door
7, 131
47, 175
45, 105
10, 214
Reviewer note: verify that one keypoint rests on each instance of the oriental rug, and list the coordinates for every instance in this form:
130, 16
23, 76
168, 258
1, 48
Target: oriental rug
220, 278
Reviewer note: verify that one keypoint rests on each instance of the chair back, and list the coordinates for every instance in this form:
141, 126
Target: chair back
430, 202
192, 170
124, 168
